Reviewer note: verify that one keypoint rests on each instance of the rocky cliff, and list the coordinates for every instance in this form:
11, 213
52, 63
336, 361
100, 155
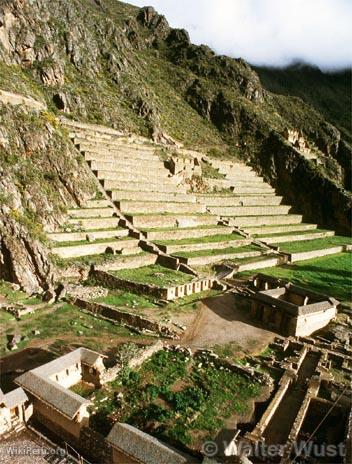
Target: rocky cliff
107, 62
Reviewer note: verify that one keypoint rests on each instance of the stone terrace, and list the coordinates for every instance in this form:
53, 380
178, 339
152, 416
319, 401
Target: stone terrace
156, 203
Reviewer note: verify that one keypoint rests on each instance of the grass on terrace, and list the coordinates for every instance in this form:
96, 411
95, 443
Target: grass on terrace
176, 398
330, 275
207, 239
318, 244
216, 251
288, 233
66, 323
154, 275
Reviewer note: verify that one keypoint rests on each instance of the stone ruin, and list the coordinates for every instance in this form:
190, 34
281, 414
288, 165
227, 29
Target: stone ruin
298, 141
289, 309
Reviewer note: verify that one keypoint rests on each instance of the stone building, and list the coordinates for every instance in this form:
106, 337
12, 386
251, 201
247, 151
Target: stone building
132, 446
289, 309
48, 389
15, 410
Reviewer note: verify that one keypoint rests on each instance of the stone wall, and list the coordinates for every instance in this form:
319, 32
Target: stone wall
170, 293
133, 320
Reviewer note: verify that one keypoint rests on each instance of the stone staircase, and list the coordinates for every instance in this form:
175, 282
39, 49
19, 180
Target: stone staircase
240, 218
252, 205
156, 203
93, 230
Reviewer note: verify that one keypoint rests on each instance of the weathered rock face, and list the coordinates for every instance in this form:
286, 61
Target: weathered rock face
40, 175
317, 197
23, 260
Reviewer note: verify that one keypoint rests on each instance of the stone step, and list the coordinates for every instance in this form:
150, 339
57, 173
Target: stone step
163, 187
77, 126
180, 234
91, 212
228, 183
80, 236
138, 176
231, 200
115, 143
117, 195
129, 246
119, 152
215, 258
296, 238
98, 204
249, 210
228, 164
122, 161
252, 190
129, 262
260, 264
95, 223
171, 220
279, 229
267, 220
132, 207
244, 177
123, 165
190, 247
303, 255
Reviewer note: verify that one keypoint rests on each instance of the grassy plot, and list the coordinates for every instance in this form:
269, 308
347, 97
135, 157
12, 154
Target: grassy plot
331, 275
214, 251
289, 233
318, 244
66, 323
95, 242
154, 275
16, 296
176, 398
206, 239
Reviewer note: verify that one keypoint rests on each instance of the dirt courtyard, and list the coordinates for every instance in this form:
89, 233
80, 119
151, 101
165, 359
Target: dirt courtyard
226, 320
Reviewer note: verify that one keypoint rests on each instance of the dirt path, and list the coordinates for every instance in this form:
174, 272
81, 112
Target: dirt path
226, 320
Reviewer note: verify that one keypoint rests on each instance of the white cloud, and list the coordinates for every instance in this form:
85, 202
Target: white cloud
272, 32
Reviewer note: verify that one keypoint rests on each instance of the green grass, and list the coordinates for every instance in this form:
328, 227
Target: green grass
288, 233
63, 324
95, 242
330, 275
210, 172
154, 275
318, 244
207, 239
176, 398
196, 254
126, 299
16, 296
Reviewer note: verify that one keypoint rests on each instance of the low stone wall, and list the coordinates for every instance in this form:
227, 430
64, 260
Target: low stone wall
315, 253
170, 293
132, 320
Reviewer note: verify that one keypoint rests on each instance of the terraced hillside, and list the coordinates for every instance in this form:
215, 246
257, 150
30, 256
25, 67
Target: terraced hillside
147, 211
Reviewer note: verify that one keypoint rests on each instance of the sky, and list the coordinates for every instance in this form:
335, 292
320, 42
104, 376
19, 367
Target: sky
267, 32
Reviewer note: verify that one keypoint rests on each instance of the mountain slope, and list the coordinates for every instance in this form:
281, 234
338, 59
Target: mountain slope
110, 63
328, 92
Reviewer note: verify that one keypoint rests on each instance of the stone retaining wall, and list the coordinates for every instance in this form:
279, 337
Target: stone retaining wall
132, 320
170, 293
